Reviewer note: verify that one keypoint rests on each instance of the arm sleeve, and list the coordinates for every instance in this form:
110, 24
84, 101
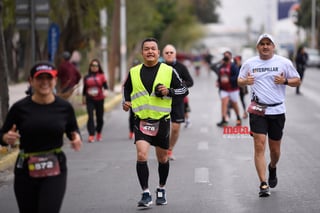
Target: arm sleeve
72, 124
187, 77
127, 88
105, 83
178, 88
84, 86
8, 123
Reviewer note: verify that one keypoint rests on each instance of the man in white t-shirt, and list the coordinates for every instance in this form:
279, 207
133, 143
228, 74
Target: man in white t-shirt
268, 75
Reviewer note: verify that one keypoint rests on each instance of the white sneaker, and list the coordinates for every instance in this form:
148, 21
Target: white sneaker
187, 124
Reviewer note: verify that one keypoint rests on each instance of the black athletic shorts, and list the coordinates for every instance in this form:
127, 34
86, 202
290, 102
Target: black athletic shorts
160, 140
177, 113
269, 124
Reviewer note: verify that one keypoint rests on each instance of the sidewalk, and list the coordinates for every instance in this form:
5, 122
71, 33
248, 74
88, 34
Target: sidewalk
17, 92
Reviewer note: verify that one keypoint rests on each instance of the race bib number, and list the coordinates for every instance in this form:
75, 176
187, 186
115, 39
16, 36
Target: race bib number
93, 91
45, 165
149, 128
257, 109
224, 79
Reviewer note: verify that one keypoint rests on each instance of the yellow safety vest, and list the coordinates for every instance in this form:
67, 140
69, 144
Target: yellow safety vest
150, 106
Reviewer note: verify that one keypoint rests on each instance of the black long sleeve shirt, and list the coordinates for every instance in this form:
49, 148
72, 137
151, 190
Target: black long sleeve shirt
41, 126
186, 79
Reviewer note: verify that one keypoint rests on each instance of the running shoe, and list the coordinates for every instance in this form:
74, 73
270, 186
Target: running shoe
273, 180
146, 200
91, 139
161, 197
170, 155
264, 190
238, 122
187, 124
222, 123
99, 137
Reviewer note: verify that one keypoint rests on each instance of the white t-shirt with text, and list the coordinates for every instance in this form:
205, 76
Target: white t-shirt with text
264, 87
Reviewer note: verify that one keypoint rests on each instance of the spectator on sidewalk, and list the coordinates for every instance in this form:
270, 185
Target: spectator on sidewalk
68, 77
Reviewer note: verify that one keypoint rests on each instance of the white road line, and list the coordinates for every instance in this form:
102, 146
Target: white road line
204, 129
203, 145
201, 175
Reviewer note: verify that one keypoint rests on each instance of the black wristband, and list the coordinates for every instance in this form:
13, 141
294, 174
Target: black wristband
286, 82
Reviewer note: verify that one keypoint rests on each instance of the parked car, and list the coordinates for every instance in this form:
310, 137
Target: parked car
313, 57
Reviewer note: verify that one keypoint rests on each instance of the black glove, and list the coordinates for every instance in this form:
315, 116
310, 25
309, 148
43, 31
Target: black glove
157, 91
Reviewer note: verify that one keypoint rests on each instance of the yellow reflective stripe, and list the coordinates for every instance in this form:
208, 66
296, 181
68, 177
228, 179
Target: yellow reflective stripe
139, 94
26, 155
149, 107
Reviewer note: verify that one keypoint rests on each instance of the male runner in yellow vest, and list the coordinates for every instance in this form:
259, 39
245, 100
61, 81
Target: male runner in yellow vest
148, 91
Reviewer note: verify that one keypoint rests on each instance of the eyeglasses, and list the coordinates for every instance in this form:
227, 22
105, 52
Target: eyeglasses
94, 65
169, 52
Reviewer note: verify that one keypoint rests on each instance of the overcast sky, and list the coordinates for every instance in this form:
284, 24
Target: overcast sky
234, 12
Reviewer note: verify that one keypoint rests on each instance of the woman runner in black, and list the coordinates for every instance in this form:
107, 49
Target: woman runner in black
39, 121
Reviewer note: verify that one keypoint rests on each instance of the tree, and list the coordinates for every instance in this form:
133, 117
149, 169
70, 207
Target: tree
205, 10
174, 21
304, 17
4, 91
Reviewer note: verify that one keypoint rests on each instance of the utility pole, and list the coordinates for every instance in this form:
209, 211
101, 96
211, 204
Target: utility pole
33, 32
313, 24
104, 40
32, 15
123, 40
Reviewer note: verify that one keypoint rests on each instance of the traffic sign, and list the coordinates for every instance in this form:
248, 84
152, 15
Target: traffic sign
23, 7
23, 23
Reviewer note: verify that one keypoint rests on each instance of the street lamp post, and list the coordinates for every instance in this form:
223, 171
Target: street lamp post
123, 40
313, 24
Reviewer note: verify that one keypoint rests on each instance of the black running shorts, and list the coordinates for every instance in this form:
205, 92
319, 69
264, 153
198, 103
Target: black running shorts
269, 124
177, 113
161, 139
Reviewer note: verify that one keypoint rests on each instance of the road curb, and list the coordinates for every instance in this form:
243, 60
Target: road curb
9, 160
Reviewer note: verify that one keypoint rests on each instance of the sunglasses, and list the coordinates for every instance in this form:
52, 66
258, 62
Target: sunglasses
94, 65
169, 52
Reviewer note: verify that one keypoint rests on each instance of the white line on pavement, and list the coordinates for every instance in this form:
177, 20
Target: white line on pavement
203, 145
201, 175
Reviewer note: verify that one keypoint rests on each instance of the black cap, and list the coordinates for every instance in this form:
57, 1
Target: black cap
43, 67
66, 55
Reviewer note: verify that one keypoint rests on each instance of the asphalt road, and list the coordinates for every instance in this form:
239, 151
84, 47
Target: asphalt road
213, 172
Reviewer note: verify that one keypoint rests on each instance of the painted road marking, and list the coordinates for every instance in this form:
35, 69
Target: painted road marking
201, 175
203, 145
